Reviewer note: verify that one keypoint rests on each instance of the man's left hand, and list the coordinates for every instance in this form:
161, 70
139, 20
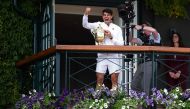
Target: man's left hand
177, 75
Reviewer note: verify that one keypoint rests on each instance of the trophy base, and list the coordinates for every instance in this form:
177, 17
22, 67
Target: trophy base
99, 43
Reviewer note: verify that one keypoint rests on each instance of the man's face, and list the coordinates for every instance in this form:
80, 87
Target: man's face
107, 18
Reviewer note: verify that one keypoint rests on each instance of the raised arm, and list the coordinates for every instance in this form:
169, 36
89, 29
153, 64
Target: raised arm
148, 30
85, 22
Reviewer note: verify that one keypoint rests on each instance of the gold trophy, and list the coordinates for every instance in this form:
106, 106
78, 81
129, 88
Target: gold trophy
98, 35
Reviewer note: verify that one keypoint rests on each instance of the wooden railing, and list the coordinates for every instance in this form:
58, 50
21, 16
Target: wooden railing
108, 48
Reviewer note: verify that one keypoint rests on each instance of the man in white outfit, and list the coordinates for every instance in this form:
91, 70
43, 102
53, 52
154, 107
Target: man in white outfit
113, 36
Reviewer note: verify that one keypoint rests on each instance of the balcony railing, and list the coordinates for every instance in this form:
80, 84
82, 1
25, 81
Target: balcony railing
72, 66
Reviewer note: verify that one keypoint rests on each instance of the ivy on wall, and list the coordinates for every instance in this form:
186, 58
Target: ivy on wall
15, 43
170, 8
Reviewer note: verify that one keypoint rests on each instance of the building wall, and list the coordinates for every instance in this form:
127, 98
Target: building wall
165, 24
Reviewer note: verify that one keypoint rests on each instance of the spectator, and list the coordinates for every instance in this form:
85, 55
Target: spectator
177, 66
142, 77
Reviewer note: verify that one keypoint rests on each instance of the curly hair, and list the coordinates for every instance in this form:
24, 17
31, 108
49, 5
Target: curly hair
107, 10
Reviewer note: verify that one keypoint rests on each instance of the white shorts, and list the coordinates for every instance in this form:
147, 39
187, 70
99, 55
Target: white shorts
113, 65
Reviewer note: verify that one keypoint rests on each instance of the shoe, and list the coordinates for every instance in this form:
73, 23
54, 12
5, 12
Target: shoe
114, 91
98, 87
98, 91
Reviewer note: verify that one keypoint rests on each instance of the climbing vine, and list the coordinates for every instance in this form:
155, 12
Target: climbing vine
15, 43
170, 8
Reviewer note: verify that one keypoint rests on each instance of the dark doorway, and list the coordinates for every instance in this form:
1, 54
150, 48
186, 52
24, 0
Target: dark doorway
69, 31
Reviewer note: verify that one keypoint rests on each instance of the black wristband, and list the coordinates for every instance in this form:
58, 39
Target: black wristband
142, 27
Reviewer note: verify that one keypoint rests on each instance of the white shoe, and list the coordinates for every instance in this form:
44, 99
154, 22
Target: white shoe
114, 91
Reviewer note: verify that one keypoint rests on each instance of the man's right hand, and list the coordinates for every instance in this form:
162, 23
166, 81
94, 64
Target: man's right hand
87, 10
138, 27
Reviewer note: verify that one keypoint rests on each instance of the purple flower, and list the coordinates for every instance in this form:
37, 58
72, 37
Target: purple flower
154, 89
142, 95
133, 94
149, 101
164, 101
33, 99
90, 90
186, 94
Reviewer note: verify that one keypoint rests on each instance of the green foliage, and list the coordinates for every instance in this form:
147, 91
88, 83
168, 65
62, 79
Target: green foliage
93, 104
126, 103
170, 8
15, 43
187, 105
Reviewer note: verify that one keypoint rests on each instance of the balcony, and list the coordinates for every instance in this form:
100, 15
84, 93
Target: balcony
73, 66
